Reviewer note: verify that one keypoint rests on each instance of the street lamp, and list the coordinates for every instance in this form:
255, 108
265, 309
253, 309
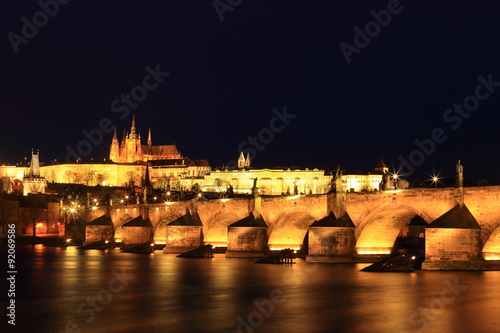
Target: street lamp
395, 177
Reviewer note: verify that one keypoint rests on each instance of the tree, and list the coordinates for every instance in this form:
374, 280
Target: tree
68, 176
100, 178
217, 184
89, 177
130, 176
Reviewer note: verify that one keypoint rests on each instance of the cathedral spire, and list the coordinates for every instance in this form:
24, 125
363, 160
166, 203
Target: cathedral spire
124, 138
150, 142
247, 160
132, 129
241, 160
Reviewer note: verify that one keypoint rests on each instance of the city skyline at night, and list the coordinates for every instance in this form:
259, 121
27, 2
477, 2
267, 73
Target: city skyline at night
212, 86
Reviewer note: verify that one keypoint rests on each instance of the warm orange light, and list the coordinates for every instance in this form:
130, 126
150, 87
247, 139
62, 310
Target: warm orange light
283, 248
374, 252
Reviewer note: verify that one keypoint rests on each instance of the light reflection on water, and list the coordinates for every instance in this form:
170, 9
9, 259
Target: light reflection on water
170, 294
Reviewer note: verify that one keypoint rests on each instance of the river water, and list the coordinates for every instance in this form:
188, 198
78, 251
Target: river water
72, 290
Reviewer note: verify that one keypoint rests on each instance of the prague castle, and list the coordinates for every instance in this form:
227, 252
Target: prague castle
127, 164
130, 161
131, 150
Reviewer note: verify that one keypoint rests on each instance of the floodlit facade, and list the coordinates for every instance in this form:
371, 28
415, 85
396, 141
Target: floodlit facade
270, 181
125, 167
357, 181
130, 149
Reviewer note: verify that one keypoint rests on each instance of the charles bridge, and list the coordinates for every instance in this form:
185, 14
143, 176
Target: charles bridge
462, 229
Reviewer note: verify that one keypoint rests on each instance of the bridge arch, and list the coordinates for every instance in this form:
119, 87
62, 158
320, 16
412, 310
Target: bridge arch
378, 231
290, 230
160, 231
491, 248
118, 226
216, 230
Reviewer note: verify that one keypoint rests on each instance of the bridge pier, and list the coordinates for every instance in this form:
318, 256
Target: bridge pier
101, 228
184, 234
136, 232
331, 239
453, 242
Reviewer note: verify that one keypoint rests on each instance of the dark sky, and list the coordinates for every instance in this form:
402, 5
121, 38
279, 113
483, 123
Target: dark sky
226, 77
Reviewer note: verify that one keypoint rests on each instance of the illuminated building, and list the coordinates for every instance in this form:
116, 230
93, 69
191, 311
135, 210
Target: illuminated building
357, 181
33, 183
126, 167
271, 181
130, 149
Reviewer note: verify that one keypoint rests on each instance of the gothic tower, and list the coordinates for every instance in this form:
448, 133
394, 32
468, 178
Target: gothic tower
133, 144
114, 152
247, 160
241, 161
150, 142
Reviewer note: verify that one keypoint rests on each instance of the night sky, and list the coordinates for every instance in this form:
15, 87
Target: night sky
226, 77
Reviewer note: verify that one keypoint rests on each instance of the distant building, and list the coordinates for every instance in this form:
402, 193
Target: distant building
130, 149
126, 167
270, 181
358, 180
33, 183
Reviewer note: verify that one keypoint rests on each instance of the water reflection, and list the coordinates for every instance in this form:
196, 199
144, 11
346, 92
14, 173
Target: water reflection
223, 295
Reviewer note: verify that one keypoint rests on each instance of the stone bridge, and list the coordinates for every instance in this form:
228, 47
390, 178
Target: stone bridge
378, 216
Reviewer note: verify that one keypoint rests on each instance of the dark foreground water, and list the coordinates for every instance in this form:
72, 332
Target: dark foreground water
71, 290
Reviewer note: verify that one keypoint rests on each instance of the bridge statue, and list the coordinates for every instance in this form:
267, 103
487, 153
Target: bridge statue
337, 179
385, 184
255, 189
459, 178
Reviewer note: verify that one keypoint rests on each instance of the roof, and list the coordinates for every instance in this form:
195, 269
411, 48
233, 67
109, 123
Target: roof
279, 168
331, 221
187, 220
417, 220
139, 222
199, 163
170, 162
102, 220
459, 217
362, 172
160, 150
381, 164
250, 221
